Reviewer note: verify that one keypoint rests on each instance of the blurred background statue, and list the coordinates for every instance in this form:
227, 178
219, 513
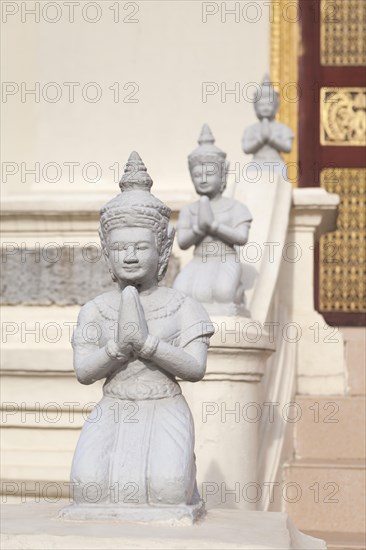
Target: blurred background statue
267, 139
216, 226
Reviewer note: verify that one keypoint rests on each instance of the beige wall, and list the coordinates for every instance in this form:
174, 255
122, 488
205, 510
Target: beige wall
169, 53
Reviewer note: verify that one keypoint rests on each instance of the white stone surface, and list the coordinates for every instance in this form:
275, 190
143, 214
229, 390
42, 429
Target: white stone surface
40, 529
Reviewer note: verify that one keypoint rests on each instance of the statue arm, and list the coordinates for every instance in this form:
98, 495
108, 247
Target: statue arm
92, 363
187, 233
231, 235
186, 357
282, 143
188, 237
252, 142
188, 363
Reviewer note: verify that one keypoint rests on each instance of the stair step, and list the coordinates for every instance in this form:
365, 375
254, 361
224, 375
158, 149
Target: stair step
330, 427
325, 495
341, 541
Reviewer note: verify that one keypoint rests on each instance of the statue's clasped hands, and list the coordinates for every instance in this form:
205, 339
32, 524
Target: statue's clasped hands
133, 338
206, 223
265, 130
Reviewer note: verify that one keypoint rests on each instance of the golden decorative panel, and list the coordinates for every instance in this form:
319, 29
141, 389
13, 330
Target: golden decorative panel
343, 116
284, 69
342, 31
342, 281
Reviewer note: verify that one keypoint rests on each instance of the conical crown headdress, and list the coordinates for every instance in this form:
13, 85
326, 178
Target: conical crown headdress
266, 90
135, 200
136, 206
206, 151
135, 175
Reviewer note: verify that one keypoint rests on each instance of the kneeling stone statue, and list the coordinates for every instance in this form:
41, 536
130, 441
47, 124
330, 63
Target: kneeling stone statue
217, 227
135, 456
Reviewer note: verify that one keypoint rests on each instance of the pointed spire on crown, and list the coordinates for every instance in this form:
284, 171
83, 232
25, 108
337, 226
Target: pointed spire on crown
266, 80
135, 175
135, 157
135, 205
206, 135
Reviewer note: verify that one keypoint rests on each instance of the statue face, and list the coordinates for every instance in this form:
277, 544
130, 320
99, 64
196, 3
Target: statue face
133, 255
266, 107
208, 178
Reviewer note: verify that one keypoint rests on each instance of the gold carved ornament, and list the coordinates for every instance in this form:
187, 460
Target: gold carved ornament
342, 278
342, 33
284, 68
343, 116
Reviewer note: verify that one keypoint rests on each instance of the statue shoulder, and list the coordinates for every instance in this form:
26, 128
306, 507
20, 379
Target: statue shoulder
284, 129
188, 211
195, 323
252, 129
193, 207
242, 212
89, 318
88, 312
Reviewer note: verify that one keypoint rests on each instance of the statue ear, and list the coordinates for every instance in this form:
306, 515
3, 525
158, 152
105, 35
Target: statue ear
225, 167
113, 277
165, 252
106, 256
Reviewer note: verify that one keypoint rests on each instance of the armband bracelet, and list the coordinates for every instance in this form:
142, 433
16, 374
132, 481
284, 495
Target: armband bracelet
113, 351
149, 348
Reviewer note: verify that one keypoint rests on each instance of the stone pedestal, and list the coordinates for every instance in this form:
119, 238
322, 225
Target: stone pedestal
221, 530
179, 515
320, 350
226, 410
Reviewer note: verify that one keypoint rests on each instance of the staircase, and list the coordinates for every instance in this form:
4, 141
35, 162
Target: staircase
324, 484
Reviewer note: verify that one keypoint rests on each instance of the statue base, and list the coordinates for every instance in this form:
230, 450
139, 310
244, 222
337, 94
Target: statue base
173, 515
226, 310
221, 530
